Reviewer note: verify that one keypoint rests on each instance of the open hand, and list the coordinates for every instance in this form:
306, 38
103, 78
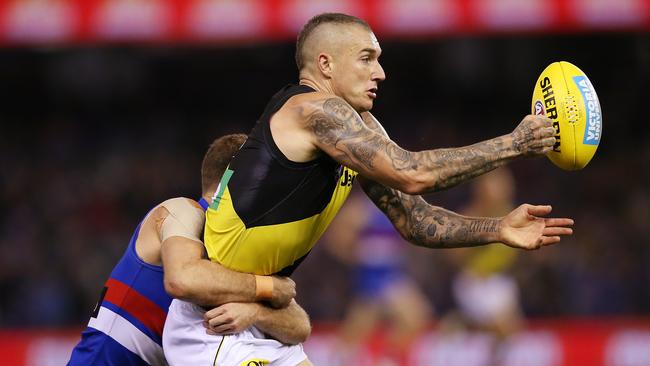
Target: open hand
522, 228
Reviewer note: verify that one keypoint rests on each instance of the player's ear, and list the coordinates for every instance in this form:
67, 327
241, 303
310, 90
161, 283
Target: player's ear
325, 64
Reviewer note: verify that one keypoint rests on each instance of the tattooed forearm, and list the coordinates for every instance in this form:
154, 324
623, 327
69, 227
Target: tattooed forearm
452, 166
436, 227
483, 225
457, 165
363, 145
423, 224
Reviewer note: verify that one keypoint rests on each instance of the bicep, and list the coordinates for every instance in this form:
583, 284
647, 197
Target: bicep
339, 131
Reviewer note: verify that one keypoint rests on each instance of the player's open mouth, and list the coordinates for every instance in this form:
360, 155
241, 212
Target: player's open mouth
372, 93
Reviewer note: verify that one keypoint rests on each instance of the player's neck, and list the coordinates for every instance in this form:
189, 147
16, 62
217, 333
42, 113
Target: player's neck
320, 86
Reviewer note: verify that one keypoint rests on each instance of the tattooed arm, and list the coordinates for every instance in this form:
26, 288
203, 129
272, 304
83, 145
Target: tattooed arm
434, 227
426, 225
339, 131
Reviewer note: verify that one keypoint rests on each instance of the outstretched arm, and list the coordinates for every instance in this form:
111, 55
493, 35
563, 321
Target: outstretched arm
339, 131
430, 226
289, 325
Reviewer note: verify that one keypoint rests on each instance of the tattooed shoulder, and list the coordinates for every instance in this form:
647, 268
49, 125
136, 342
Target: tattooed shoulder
333, 120
340, 110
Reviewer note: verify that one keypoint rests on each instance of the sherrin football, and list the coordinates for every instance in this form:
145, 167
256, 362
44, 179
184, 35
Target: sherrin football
564, 94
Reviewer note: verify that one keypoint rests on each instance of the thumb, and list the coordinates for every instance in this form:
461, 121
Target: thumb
539, 210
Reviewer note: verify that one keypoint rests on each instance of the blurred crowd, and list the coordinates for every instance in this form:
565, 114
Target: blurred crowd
92, 138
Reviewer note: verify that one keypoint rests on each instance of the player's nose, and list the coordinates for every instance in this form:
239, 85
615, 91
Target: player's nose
378, 74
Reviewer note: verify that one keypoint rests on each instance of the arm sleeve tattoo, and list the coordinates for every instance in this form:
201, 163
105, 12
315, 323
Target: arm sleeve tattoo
341, 132
423, 224
429, 226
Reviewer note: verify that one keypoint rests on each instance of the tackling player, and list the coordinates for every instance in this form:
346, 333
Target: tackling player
127, 323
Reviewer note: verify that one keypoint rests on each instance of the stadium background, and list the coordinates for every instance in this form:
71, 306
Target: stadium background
108, 106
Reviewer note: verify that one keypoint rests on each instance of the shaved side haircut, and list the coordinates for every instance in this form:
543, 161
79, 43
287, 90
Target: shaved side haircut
315, 22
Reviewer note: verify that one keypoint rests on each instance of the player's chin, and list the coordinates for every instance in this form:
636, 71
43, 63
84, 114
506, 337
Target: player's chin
366, 104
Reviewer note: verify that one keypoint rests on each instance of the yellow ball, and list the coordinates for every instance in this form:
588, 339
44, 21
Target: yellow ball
564, 94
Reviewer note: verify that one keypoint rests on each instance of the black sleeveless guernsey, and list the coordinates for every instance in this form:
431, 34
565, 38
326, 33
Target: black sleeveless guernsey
268, 211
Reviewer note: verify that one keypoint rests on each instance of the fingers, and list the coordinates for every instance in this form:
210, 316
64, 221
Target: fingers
543, 146
543, 241
539, 210
548, 132
558, 222
218, 329
288, 280
220, 325
212, 313
544, 133
230, 318
544, 122
536, 121
547, 143
555, 231
212, 330
224, 329
218, 320
549, 240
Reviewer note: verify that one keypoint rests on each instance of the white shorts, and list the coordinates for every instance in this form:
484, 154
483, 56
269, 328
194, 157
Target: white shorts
185, 342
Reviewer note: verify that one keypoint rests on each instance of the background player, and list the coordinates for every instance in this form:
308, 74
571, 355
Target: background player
384, 295
486, 293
